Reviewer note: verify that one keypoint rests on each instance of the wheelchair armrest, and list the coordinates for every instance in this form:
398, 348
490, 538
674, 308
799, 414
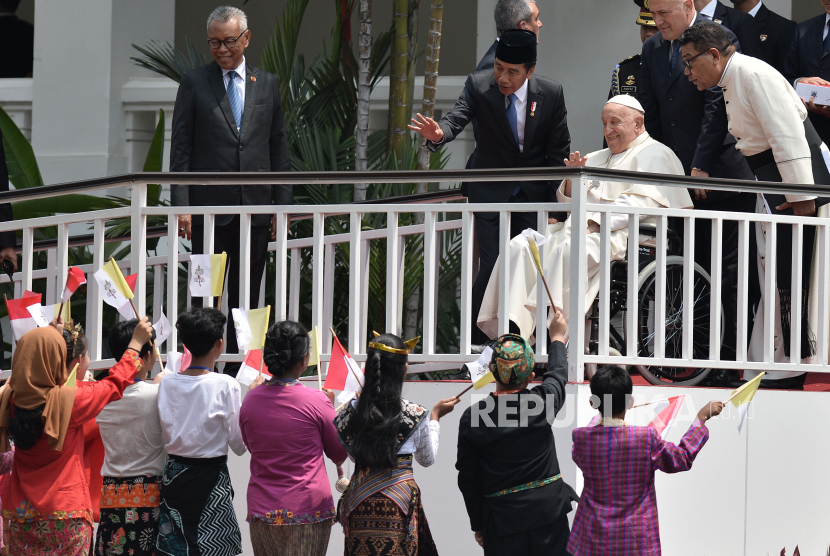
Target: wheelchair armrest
651, 231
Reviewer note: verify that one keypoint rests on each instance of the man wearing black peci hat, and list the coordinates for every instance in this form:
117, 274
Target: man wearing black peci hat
522, 124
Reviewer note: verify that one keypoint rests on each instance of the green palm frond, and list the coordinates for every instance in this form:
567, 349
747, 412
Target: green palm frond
163, 58
20, 158
278, 54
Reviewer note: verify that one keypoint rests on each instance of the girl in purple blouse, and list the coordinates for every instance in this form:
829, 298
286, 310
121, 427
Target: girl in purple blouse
287, 429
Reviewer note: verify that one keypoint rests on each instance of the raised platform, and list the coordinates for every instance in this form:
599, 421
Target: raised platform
750, 493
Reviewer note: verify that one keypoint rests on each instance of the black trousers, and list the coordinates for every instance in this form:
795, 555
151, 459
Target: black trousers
550, 540
487, 236
226, 238
744, 202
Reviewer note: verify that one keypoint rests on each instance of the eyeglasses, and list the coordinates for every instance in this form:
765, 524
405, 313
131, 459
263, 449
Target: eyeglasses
688, 63
215, 44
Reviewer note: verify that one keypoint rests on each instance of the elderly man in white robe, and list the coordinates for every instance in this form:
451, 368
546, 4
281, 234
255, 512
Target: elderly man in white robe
629, 148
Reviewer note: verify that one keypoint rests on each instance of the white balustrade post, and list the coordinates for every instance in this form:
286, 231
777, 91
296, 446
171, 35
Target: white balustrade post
208, 243
355, 281
393, 308
94, 301
430, 299
27, 254
244, 262
173, 279
317, 276
578, 271
62, 264
467, 236
138, 244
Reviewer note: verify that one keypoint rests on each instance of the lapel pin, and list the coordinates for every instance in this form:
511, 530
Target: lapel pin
253, 79
532, 109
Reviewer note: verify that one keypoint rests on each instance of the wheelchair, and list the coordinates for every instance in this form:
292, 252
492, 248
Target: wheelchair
645, 334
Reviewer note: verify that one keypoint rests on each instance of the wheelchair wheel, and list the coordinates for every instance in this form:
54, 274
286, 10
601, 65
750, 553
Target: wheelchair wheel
674, 376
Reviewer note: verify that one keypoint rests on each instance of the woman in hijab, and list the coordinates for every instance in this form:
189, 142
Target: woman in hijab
381, 511
43, 411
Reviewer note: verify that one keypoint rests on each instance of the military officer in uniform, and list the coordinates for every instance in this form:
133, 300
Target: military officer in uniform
626, 78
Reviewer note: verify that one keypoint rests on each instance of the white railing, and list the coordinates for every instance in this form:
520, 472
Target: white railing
288, 251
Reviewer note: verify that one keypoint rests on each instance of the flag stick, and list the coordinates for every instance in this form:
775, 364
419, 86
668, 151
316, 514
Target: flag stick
643, 404
359, 382
341, 406
534, 250
467, 389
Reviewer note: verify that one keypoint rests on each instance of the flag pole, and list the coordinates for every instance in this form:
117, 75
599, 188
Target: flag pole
264, 334
359, 382
467, 389
534, 250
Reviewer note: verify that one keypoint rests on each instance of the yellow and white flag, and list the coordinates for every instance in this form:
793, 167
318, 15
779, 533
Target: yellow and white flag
742, 397
207, 275
44, 314
480, 373
72, 379
314, 347
251, 327
114, 289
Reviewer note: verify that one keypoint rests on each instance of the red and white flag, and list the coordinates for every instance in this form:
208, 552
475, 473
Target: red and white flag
249, 371
341, 373
74, 279
20, 318
178, 362
659, 415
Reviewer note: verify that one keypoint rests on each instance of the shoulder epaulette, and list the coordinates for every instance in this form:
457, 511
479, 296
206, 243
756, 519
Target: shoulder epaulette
615, 81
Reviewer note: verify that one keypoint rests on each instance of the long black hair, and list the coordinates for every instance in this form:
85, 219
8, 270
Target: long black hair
26, 427
286, 344
378, 412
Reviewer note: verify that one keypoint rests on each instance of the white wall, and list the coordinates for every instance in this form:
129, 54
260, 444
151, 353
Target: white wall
749, 493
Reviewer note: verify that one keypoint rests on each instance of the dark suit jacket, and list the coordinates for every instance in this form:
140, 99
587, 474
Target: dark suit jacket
20, 36
547, 141
487, 62
808, 59
690, 122
493, 458
743, 25
6, 238
776, 35
205, 139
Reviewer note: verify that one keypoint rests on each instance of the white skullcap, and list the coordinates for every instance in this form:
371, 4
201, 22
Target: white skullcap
627, 100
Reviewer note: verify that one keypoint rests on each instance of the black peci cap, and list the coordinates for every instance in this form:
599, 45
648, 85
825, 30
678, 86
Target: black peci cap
517, 46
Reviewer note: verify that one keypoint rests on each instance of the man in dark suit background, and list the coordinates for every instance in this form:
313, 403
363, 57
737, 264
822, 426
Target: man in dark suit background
693, 123
228, 118
522, 124
509, 14
776, 32
20, 36
741, 24
809, 62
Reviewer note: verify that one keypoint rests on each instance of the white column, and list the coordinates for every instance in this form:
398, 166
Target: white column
82, 61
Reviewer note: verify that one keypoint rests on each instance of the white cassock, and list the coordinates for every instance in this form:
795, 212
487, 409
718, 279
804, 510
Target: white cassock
644, 154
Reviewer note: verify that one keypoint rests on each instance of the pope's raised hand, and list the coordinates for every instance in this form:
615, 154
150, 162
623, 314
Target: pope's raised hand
427, 127
574, 159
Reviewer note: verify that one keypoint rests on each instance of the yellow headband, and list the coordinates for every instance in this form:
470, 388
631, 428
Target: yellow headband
383, 347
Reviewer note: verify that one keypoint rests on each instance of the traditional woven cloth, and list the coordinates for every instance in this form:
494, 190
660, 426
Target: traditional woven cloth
55, 537
411, 416
308, 539
196, 512
129, 516
378, 527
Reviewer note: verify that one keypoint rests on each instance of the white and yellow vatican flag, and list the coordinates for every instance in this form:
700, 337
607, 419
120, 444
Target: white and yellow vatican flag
114, 288
207, 275
251, 327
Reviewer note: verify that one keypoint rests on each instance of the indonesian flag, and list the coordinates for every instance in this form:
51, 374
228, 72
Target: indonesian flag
341, 373
178, 362
74, 279
20, 318
126, 310
207, 275
114, 288
249, 371
659, 415
251, 326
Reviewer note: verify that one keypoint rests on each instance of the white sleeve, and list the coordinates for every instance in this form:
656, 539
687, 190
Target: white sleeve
620, 221
426, 442
232, 420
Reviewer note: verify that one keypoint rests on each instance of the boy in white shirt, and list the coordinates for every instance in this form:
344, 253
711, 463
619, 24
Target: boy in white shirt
199, 413
134, 458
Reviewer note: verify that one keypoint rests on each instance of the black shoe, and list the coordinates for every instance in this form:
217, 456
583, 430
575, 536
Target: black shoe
789, 383
720, 378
